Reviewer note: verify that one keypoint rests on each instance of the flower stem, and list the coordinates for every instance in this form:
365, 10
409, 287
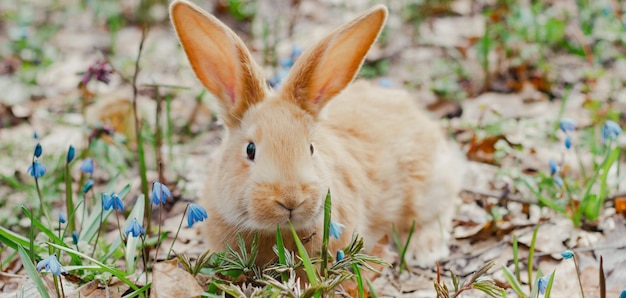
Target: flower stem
177, 231
580, 283
56, 285
42, 208
119, 228
69, 200
158, 245
98, 234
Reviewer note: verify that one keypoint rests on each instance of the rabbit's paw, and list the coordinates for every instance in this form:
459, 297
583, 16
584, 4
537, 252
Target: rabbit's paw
428, 245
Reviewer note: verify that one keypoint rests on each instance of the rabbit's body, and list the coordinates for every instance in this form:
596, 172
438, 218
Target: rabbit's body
385, 162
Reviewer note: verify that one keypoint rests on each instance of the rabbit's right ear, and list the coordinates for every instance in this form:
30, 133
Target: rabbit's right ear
220, 60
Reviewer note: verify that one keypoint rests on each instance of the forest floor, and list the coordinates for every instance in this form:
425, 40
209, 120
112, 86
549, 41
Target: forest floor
500, 76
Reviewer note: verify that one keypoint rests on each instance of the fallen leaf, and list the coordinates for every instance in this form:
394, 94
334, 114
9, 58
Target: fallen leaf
168, 280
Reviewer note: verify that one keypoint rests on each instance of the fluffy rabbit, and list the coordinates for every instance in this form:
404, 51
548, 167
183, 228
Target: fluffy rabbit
385, 162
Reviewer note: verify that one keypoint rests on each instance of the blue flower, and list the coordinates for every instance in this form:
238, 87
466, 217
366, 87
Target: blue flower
196, 214
87, 166
610, 130
568, 254
35, 135
542, 284
340, 255
112, 201
38, 150
554, 167
335, 229
385, 82
88, 186
52, 265
622, 294
70, 154
558, 181
160, 193
135, 229
567, 125
36, 169
568, 142
62, 218
75, 238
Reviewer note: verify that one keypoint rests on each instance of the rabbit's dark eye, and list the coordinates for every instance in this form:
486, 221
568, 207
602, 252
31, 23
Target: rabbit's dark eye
311, 147
251, 150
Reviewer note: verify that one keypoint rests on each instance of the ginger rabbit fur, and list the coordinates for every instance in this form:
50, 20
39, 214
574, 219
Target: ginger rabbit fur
385, 162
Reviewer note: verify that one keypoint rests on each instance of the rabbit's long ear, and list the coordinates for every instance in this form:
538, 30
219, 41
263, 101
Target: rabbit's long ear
331, 64
220, 60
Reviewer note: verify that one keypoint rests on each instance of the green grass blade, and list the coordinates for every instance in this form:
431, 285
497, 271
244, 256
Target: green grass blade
549, 287
372, 289
139, 291
306, 261
531, 254
406, 247
513, 282
359, 280
121, 275
516, 259
31, 271
280, 246
327, 210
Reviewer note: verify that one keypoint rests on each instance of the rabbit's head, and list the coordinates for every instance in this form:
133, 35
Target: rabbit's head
269, 169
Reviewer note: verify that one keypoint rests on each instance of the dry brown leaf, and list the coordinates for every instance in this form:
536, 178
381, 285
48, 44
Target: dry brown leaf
168, 280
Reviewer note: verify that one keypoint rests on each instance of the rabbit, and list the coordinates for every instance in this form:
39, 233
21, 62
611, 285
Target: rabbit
384, 161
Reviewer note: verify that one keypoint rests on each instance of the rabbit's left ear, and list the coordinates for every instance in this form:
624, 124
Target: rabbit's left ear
330, 65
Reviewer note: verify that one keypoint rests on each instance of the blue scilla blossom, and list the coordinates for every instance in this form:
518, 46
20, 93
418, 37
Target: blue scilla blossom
75, 238
340, 255
568, 254
542, 284
558, 181
62, 218
567, 125
160, 193
70, 154
88, 185
52, 265
622, 294
554, 167
335, 229
610, 130
35, 135
195, 214
87, 166
568, 142
112, 201
135, 229
36, 169
385, 82
38, 150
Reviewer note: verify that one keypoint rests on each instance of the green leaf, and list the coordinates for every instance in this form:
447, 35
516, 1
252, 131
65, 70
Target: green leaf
359, 280
531, 254
327, 210
121, 275
513, 282
31, 271
280, 247
549, 287
406, 247
306, 261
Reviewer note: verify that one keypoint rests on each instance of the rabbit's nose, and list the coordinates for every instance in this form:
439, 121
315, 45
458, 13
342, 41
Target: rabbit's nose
290, 198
